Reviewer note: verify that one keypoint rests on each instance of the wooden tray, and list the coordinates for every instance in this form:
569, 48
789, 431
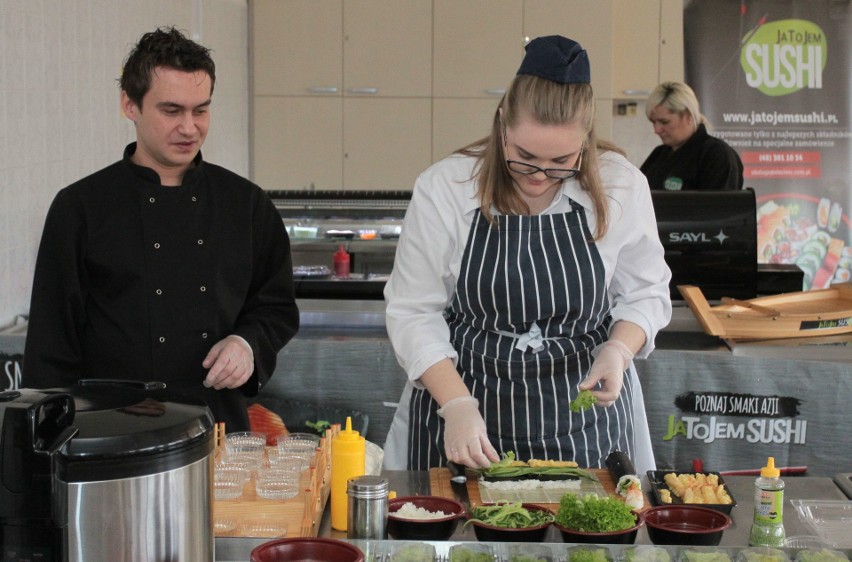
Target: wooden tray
440, 485
300, 515
822, 312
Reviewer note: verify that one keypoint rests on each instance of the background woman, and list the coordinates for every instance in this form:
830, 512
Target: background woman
529, 268
689, 157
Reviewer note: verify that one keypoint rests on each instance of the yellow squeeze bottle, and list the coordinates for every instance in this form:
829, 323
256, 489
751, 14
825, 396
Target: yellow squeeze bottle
348, 460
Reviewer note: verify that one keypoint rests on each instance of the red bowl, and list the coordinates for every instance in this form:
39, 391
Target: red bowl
438, 529
493, 533
685, 525
299, 548
624, 536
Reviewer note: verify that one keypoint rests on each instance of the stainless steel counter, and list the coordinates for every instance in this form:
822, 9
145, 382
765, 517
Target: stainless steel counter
742, 488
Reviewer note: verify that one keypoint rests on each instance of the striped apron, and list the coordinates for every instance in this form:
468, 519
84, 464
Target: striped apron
530, 306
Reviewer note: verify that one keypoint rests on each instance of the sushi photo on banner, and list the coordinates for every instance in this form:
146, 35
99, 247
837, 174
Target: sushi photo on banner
774, 80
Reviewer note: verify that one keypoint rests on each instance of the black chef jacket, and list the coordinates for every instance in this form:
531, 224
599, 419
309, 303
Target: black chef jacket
135, 280
702, 162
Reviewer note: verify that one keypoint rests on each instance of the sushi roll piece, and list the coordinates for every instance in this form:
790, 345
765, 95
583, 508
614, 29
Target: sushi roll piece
823, 209
834, 217
630, 488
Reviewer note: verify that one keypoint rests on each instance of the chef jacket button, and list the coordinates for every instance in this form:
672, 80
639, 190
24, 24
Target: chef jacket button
159, 291
156, 245
203, 288
151, 199
204, 335
162, 339
194, 198
200, 241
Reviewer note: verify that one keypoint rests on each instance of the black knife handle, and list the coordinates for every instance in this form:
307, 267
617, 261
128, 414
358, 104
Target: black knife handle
619, 464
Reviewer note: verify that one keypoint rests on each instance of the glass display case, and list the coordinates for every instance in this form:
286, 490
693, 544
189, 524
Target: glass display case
365, 224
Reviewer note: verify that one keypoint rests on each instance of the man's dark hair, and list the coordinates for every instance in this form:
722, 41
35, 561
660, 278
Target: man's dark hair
166, 47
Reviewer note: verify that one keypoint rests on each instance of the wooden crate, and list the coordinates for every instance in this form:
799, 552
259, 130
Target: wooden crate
300, 515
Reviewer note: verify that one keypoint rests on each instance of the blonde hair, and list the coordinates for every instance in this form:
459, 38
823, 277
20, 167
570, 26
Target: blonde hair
548, 103
679, 98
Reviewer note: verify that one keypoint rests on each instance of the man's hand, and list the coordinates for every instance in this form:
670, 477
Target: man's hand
230, 363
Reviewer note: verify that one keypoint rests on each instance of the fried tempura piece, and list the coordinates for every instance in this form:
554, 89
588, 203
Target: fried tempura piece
538, 463
697, 488
708, 491
674, 484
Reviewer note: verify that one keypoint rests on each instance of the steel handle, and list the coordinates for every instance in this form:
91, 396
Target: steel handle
495, 91
362, 90
323, 89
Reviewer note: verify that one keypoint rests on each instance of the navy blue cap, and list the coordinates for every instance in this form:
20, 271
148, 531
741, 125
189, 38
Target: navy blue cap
556, 58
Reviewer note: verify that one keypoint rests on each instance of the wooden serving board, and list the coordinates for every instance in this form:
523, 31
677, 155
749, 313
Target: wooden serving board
300, 515
440, 485
822, 312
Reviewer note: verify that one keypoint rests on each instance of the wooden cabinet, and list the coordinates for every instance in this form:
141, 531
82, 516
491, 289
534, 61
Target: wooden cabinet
296, 47
386, 142
297, 142
586, 21
671, 40
478, 45
457, 122
365, 94
648, 40
312, 61
387, 48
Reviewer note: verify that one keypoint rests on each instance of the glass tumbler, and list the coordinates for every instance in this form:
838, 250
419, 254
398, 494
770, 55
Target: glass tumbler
298, 445
246, 446
277, 483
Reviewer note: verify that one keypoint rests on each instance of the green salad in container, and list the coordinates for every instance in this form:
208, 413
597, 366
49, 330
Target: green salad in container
510, 515
587, 554
704, 556
590, 513
460, 553
645, 553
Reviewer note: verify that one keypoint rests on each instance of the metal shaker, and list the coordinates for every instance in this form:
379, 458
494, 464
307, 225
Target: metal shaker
367, 514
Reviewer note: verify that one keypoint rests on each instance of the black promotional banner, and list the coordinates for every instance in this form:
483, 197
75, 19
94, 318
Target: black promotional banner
774, 77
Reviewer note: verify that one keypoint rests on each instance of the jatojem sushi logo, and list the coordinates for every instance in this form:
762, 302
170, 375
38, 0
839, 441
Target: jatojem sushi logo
783, 57
713, 416
11, 365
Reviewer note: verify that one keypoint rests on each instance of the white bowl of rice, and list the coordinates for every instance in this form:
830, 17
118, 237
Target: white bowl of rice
423, 518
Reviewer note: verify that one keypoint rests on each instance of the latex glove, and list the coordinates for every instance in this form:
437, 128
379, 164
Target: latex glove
465, 438
230, 363
611, 360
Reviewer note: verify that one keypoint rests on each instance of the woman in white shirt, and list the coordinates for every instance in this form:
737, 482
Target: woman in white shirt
529, 268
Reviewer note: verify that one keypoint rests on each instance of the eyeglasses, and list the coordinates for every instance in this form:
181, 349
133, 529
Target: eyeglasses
554, 173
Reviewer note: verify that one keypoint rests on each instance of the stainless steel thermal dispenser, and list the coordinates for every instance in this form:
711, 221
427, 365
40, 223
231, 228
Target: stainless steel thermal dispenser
107, 470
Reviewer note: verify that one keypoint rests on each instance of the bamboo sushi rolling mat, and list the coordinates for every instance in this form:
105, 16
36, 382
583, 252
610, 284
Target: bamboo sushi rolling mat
440, 485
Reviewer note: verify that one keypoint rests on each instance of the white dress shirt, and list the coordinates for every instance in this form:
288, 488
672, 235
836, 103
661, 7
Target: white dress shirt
435, 233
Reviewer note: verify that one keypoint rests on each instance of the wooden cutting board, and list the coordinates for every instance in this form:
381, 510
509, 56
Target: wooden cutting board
440, 485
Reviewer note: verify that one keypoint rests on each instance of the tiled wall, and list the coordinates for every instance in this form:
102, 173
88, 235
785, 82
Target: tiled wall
59, 105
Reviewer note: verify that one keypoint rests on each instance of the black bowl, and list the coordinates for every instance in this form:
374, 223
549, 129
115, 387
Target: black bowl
624, 536
686, 525
493, 533
439, 529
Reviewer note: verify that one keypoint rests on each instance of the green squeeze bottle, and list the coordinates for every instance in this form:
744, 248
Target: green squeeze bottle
768, 526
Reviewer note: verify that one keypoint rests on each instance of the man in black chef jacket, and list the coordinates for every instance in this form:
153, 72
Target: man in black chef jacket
163, 267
